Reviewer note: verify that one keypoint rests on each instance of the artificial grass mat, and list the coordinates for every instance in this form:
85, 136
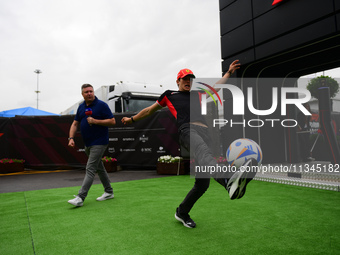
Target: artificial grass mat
270, 218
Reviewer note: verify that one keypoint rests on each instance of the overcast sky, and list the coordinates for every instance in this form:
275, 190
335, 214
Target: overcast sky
101, 42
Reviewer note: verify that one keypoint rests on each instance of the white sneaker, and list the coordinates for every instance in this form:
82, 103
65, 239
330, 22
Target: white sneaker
77, 201
105, 196
237, 184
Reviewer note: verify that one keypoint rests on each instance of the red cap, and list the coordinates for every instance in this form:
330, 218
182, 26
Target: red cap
185, 72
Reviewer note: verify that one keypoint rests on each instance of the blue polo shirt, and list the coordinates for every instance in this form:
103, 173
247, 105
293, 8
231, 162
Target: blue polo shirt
95, 134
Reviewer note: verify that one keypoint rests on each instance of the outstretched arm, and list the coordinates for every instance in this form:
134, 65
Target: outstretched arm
232, 68
142, 114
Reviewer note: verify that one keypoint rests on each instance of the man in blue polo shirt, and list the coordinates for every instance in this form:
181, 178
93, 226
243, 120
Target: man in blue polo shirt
94, 117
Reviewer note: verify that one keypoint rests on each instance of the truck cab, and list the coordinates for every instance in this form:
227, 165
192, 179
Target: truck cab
132, 96
124, 97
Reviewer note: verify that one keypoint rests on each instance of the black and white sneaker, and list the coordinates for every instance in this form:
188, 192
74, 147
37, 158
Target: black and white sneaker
105, 196
237, 184
76, 201
185, 219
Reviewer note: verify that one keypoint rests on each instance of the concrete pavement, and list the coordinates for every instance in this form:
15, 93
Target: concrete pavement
37, 180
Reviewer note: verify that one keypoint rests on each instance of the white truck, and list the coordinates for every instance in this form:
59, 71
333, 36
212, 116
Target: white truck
132, 96
125, 96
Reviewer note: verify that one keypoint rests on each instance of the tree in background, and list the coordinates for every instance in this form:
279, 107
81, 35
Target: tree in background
323, 81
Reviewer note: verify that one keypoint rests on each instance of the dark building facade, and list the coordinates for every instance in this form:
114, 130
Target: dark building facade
284, 41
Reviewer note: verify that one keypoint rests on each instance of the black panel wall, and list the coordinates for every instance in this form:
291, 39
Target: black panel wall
252, 30
290, 39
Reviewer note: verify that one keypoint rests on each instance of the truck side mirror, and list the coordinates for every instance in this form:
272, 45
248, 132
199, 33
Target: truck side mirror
126, 96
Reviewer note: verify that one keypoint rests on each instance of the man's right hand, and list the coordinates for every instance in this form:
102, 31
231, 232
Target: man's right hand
71, 143
126, 120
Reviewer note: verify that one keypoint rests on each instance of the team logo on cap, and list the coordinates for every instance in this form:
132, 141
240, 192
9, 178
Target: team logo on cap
184, 72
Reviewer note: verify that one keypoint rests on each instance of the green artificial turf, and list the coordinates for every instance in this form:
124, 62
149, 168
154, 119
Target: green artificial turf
270, 219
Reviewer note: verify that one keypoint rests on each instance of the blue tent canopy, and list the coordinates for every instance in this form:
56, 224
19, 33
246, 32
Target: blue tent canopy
26, 111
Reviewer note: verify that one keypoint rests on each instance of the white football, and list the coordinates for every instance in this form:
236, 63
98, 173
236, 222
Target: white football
241, 150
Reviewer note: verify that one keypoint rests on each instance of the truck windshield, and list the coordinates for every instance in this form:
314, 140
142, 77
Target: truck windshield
136, 104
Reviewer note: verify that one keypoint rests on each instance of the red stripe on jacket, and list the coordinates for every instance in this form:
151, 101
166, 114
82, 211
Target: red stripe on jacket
166, 102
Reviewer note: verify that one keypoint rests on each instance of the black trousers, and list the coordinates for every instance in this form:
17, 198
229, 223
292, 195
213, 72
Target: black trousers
196, 140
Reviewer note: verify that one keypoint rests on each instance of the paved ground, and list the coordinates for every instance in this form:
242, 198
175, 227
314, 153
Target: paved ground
37, 180
313, 174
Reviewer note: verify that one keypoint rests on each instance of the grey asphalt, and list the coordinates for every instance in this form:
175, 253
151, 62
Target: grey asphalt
39, 180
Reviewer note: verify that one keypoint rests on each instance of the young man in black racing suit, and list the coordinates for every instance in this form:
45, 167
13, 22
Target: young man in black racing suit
193, 135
